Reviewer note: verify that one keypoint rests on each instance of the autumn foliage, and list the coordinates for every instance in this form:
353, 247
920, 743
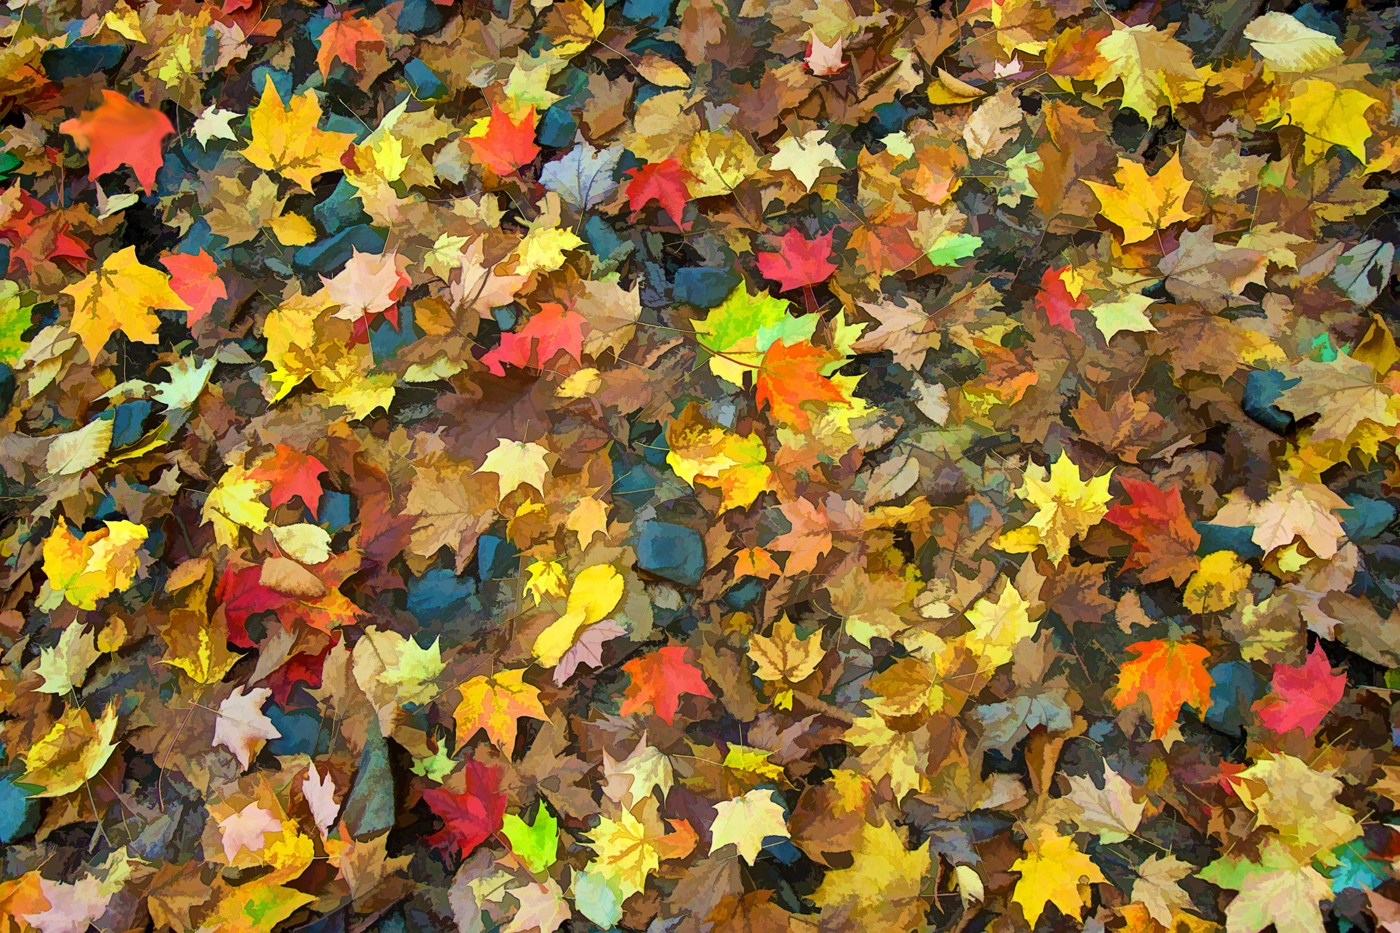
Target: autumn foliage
769, 466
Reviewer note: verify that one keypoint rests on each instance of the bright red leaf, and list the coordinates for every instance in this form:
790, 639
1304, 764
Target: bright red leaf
799, 261
552, 330
120, 133
659, 679
1303, 695
790, 379
195, 278
1164, 541
507, 144
291, 473
663, 182
1056, 301
471, 817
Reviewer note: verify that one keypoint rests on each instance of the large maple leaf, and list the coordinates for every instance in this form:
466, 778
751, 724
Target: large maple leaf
291, 473
659, 679
121, 295
1303, 695
799, 262
1143, 204
121, 133
1164, 541
553, 330
664, 182
1171, 674
790, 380
503, 144
287, 138
473, 816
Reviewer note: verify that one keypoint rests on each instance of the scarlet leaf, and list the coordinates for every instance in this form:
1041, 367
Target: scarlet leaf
1056, 301
195, 278
799, 261
507, 144
664, 182
659, 679
291, 473
471, 817
1303, 695
1164, 541
121, 133
790, 379
552, 331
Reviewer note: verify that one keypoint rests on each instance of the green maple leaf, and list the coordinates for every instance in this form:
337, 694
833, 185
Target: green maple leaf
536, 846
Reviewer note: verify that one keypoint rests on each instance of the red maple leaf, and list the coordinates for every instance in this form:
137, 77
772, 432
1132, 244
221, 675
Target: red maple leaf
506, 145
471, 817
36, 234
243, 596
552, 330
195, 278
790, 377
299, 669
800, 262
1171, 674
120, 133
291, 473
664, 182
1164, 541
1056, 301
1303, 695
346, 39
659, 679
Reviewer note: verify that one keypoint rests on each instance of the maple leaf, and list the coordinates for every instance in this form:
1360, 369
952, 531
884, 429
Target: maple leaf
551, 331
494, 702
1303, 695
627, 852
823, 59
120, 132
804, 156
1051, 873
1329, 116
666, 182
73, 907
64, 667
702, 452
241, 726
1171, 674
1279, 889
367, 286
1155, 69
195, 278
799, 262
535, 844
1156, 886
290, 472
347, 38
472, 816
659, 679
122, 294
746, 821
503, 144
631, 780
782, 656
1143, 204
790, 380
516, 463
743, 327
1298, 801
319, 792
1111, 811
1066, 507
1058, 300
1217, 583
287, 138
905, 329
83, 570
1164, 540
882, 887
247, 829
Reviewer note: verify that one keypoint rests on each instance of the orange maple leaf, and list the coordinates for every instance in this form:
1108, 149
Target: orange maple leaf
659, 679
790, 377
506, 145
1171, 674
347, 39
120, 133
195, 278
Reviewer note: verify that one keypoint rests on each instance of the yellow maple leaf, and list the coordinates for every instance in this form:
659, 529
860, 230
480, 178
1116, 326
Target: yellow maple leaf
288, 140
72, 752
543, 249
1051, 874
234, 503
1154, 67
1217, 583
1142, 204
1066, 507
1329, 116
782, 656
100, 563
881, 888
120, 295
627, 852
516, 462
1300, 803
596, 592
997, 627
706, 453
494, 703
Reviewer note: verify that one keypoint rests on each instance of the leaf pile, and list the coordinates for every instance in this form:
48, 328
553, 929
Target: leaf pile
698, 465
